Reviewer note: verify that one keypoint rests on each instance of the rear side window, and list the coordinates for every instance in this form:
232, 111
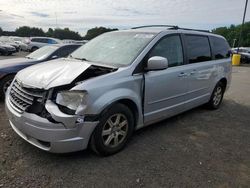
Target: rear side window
36, 40
65, 51
51, 41
42, 40
220, 48
169, 47
198, 49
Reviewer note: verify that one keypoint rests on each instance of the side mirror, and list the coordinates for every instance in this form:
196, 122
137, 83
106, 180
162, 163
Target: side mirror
54, 57
157, 63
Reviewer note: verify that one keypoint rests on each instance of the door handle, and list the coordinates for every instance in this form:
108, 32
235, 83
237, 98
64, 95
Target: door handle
182, 74
193, 72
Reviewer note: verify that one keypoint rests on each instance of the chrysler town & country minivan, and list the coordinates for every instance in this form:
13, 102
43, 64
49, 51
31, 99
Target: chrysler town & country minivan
117, 83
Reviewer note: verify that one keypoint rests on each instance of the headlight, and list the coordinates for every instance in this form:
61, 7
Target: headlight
71, 99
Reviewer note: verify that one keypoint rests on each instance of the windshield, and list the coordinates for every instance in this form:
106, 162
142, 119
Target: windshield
42, 53
115, 48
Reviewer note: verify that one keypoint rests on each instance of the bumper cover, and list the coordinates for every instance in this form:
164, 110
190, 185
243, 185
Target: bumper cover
48, 136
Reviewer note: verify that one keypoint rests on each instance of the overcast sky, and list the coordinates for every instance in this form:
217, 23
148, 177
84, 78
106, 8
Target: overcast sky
81, 15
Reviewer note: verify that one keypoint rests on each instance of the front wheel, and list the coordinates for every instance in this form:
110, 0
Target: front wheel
114, 130
34, 48
217, 96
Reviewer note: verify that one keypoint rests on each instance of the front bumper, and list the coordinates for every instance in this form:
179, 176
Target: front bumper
48, 136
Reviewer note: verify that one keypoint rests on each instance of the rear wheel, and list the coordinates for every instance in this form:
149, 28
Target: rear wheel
34, 48
4, 84
217, 96
114, 130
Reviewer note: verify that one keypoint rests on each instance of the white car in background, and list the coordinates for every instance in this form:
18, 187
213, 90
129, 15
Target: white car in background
21, 42
7, 41
37, 42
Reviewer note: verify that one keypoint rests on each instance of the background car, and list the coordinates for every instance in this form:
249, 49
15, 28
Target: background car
244, 52
20, 42
37, 42
6, 49
9, 67
8, 41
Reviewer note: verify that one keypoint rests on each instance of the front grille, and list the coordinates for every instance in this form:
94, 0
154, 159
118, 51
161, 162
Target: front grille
21, 98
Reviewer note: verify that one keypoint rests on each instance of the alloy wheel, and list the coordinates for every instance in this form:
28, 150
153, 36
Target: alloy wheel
115, 130
217, 96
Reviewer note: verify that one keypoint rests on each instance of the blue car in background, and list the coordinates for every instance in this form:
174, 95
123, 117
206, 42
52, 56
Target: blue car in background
9, 67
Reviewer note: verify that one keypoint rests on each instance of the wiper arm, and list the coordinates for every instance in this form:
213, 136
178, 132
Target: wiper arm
81, 59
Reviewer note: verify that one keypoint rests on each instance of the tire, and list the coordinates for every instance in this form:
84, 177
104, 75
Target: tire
216, 97
34, 48
114, 130
4, 84
5, 53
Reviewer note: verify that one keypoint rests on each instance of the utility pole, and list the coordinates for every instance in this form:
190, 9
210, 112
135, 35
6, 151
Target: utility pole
243, 22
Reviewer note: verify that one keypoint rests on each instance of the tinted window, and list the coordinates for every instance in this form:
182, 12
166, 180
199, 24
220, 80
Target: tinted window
220, 48
42, 40
65, 51
35, 40
198, 49
170, 48
51, 41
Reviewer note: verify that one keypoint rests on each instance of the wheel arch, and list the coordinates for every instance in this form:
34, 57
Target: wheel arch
128, 103
224, 82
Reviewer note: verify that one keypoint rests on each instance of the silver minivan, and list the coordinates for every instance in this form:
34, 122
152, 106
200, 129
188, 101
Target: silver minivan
117, 83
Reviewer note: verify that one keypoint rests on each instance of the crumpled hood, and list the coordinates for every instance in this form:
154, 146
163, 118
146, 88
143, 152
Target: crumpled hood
52, 73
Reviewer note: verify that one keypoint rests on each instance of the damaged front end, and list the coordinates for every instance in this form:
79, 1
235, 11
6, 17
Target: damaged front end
59, 104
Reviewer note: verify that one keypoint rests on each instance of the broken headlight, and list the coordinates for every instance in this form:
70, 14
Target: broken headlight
70, 99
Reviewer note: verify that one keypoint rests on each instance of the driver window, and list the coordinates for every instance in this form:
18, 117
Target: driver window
171, 48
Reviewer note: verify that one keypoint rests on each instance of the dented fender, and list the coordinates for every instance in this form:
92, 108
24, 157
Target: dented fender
69, 121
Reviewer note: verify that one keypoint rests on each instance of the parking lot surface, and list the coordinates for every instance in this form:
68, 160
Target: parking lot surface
199, 148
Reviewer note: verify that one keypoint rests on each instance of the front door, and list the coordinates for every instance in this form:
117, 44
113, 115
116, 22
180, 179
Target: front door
166, 90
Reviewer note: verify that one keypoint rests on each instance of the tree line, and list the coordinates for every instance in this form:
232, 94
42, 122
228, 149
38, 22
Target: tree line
231, 33
59, 33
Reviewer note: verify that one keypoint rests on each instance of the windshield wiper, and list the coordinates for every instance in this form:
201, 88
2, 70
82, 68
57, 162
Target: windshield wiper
81, 59
28, 57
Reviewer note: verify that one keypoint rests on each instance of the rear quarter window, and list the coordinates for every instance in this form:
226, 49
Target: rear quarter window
220, 48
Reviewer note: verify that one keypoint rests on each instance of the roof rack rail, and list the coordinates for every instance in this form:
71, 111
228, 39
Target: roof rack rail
145, 26
207, 31
171, 27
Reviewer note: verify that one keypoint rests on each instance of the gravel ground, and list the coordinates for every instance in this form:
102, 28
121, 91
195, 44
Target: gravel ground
199, 148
